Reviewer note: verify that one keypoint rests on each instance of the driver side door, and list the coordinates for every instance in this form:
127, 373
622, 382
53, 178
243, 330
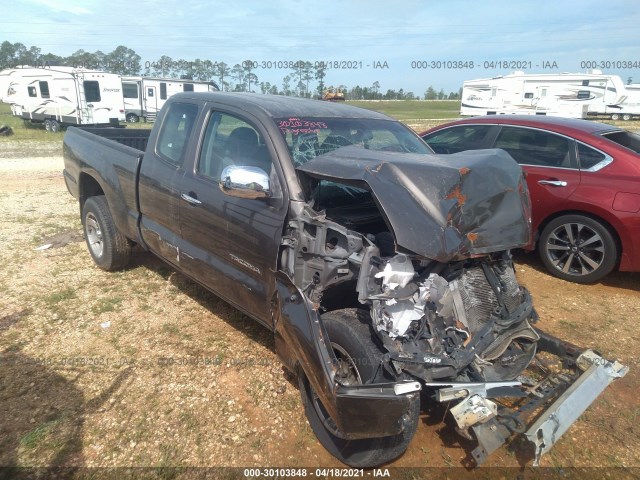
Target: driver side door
228, 243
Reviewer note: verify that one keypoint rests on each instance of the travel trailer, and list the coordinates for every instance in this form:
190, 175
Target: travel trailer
63, 96
626, 109
573, 95
145, 96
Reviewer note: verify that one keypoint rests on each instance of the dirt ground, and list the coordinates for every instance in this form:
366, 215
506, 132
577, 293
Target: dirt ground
145, 368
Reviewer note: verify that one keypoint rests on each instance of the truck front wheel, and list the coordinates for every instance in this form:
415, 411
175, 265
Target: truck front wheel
358, 362
109, 249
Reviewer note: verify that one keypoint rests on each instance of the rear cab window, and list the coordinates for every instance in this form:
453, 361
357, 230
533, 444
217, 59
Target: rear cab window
175, 132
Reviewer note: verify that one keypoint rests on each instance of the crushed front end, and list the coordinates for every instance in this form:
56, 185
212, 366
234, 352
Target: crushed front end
423, 251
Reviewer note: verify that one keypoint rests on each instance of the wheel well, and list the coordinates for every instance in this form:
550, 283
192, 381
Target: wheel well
601, 220
89, 187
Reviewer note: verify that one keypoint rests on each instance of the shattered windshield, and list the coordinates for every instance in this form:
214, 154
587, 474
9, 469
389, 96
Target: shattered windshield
310, 137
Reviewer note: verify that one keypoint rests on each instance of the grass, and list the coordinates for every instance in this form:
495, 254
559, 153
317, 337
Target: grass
35, 132
36, 436
105, 305
60, 296
23, 131
404, 110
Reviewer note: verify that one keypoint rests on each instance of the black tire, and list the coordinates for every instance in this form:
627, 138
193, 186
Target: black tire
132, 118
615, 116
577, 248
626, 117
109, 249
353, 344
55, 126
6, 131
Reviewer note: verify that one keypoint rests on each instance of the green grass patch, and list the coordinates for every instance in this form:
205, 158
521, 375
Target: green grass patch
61, 296
404, 110
105, 305
36, 436
25, 131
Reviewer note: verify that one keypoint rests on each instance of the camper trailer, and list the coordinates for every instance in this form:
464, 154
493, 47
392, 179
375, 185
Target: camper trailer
573, 95
145, 96
62, 96
627, 108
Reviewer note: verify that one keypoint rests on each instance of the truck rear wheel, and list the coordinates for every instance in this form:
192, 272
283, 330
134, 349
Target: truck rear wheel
359, 361
109, 249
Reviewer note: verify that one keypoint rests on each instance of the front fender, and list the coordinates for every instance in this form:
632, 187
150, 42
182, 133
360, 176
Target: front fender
361, 411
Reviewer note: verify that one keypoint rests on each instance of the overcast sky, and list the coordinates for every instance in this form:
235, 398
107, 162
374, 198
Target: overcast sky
534, 33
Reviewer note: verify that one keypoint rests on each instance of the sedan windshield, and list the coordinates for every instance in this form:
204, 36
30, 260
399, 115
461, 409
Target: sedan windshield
310, 137
624, 138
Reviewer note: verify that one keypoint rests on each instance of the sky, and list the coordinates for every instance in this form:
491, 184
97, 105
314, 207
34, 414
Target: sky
407, 44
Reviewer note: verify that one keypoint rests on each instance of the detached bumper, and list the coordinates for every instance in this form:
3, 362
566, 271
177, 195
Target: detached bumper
552, 424
543, 412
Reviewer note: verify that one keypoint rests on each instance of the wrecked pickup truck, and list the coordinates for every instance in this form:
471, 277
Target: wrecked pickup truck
382, 270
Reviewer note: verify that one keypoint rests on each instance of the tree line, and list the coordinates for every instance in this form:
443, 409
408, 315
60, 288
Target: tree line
304, 80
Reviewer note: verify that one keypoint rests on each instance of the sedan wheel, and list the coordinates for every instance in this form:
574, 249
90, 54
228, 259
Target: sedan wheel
577, 248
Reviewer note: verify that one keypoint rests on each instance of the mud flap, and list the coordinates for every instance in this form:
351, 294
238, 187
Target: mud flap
555, 421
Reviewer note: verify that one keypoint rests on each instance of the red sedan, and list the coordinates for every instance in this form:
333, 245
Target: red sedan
584, 180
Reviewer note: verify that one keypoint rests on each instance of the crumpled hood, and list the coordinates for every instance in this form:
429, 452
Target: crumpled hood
443, 207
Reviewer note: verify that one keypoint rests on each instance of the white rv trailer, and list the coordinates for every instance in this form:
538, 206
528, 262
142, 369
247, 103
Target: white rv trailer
4, 83
572, 95
145, 96
62, 96
627, 108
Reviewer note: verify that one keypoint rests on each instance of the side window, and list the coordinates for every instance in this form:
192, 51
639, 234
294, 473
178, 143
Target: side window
130, 90
91, 90
589, 158
32, 91
230, 140
175, 132
187, 87
163, 91
44, 89
528, 146
458, 139
528, 95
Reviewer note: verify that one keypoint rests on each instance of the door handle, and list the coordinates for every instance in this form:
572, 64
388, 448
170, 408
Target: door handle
553, 183
190, 199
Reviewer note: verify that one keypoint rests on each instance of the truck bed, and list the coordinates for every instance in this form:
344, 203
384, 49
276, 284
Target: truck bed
111, 157
134, 138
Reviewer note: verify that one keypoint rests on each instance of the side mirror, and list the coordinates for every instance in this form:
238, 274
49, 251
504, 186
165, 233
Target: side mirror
245, 182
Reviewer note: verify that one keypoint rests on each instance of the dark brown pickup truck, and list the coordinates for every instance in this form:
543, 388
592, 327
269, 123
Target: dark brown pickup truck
382, 270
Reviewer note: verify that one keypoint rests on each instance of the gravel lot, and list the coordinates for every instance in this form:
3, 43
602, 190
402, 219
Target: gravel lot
145, 368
